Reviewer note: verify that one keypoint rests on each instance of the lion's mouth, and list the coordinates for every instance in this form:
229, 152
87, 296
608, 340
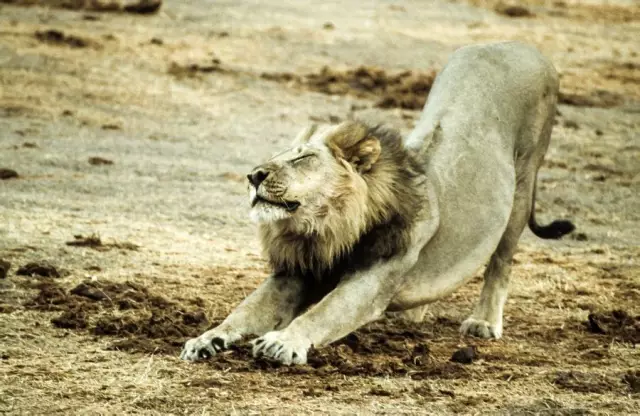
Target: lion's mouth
289, 206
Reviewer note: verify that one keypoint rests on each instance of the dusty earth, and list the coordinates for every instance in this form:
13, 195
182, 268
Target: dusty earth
124, 141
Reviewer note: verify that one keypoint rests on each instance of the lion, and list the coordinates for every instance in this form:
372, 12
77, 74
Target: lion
357, 221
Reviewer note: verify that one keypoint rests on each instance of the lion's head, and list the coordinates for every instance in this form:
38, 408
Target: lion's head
301, 185
315, 200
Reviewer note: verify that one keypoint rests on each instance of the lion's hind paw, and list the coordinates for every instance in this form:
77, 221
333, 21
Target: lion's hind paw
480, 328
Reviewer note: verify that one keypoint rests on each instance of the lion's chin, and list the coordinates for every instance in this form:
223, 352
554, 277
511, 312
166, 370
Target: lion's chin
265, 210
263, 213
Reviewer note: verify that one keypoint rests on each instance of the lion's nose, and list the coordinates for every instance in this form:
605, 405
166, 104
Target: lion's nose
257, 177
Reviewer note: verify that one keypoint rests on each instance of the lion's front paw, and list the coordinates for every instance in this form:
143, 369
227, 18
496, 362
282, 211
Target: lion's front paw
283, 347
480, 328
203, 347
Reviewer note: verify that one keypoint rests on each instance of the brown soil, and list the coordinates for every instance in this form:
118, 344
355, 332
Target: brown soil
632, 379
56, 37
513, 10
95, 242
616, 325
8, 173
91, 241
152, 324
465, 355
4, 268
96, 160
587, 12
585, 382
42, 269
143, 7
192, 70
137, 7
405, 89
603, 99
126, 310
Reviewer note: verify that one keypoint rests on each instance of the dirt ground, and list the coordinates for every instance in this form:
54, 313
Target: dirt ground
124, 142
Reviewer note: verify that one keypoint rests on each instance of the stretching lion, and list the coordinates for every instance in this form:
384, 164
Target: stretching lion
356, 222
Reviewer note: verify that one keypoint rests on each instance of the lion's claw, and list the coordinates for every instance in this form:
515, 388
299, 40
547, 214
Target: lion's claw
280, 346
202, 348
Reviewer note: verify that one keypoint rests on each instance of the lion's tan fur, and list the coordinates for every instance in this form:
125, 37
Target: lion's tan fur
362, 192
356, 222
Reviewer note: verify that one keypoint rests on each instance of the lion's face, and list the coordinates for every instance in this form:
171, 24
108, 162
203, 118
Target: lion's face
292, 184
303, 183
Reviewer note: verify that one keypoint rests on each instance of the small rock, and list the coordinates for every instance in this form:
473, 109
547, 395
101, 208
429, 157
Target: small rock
4, 268
96, 160
420, 354
632, 379
424, 390
448, 393
29, 145
89, 292
8, 173
80, 241
580, 237
156, 41
571, 124
599, 132
144, 7
376, 391
514, 11
310, 392
465, 355
42, 269
57, 37
328, 26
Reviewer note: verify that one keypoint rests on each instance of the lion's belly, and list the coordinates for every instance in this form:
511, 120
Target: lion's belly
475, 186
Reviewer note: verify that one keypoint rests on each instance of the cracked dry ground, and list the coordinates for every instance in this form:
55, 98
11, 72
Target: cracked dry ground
130, 136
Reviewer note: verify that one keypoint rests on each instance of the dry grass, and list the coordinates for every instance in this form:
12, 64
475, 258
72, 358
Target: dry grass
182, 113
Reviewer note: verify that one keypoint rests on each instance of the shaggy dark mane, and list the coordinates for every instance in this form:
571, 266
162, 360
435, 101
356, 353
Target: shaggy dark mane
392, 184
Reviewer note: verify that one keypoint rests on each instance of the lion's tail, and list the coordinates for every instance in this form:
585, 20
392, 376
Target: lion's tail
555, 230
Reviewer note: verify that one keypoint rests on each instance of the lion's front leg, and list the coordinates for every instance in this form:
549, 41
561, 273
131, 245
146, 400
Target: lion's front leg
358, 299
273, 305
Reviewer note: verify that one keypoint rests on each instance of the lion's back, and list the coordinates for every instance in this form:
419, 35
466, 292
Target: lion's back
496, 68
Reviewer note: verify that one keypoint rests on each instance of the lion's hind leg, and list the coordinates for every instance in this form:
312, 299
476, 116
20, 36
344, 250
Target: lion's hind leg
486, 320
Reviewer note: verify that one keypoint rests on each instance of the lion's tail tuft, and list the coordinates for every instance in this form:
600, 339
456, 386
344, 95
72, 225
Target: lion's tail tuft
555, 230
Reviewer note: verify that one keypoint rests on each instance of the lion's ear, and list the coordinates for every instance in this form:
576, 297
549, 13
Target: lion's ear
352, 142
364, 154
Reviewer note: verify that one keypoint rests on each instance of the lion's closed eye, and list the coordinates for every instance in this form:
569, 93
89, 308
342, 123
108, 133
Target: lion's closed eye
303, 158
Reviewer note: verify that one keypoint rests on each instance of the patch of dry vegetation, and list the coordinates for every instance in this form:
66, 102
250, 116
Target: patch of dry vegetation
405, 89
